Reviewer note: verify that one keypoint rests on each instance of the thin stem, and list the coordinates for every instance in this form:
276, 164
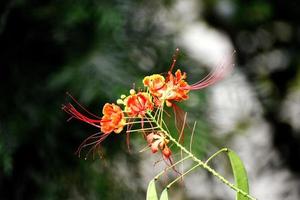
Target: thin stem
156, 111
202, 164
137, 122
161, 114
131, 117
169, 167
192, 137
142, 129
215, 154
182, 175
164, 123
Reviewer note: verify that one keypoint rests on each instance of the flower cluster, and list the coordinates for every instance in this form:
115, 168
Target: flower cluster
143, 111
144, 107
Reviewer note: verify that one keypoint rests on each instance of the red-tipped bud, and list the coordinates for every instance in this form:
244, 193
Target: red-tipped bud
166, 152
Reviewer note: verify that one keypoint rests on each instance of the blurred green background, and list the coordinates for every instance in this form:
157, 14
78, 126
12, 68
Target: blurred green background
97, 50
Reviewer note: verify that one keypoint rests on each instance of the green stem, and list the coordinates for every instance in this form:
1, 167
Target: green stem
201, 163
182, 175
142, 129
215, 154
137, 122
169, 167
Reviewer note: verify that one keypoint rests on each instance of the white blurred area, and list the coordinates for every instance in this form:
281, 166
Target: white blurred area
233, 109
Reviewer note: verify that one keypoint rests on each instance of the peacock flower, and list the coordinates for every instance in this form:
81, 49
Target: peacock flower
160, 90
113, 119
173, 88
176, 88
137, 105
158, 140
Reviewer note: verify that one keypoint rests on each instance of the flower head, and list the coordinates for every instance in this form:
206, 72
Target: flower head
113, 119
156, 84
169, 89
176, 87
137, 105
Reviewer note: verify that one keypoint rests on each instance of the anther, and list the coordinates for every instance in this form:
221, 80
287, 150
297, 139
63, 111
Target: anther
120, 101
132, 91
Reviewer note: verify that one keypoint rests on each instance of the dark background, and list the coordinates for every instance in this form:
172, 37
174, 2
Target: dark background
93, 49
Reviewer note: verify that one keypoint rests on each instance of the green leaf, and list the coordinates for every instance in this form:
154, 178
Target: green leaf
151, 191
164, 195
239, 173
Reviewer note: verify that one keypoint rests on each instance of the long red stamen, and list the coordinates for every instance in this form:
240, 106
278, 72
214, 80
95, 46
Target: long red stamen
86, 142
71, 110
129, 126
97, 146
210, 79
81, 106
214, 76
94, 139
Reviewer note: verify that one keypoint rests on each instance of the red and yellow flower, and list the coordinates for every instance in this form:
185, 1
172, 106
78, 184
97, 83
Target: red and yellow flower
156, 84
137, 105
113, 119
173, 88
176, 87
